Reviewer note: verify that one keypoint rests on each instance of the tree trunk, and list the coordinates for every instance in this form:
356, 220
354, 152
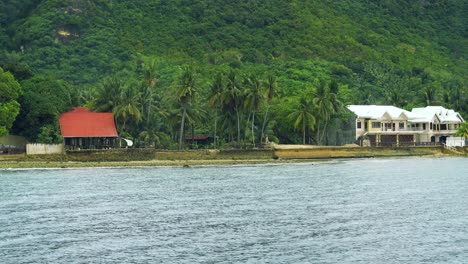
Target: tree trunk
215, 126
253, 124
303, 132
148, 112
246, 130
317, 138
238, 128
181, 134
264, 124
123, 125
193, 135
323, 132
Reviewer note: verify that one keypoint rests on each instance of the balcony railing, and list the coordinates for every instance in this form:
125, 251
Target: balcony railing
407, 144
410, 129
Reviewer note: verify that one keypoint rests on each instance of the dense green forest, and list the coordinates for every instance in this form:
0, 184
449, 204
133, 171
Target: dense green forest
239, 70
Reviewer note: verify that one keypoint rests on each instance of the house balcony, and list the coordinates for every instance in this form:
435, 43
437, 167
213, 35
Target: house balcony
408, 144
409, 130
441, 131
396, 130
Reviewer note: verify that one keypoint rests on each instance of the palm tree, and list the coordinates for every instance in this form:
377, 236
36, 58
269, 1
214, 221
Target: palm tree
186, 91
303, 117
149, 103
462, 131
397, 92
455, 97
149, 138
150, 76
254, 99
216, 99
271, 92
108, 95
327, 104
429, 95
148, 97
195, 116
128, 108
232, 98
324, 108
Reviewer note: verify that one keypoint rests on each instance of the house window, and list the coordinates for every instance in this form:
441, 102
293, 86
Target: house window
424, 126
432, 127
358, 124
443, 127
375, 124
401, 126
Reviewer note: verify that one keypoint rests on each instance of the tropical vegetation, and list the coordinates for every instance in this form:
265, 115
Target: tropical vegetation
462, 131
10, 91
237, 71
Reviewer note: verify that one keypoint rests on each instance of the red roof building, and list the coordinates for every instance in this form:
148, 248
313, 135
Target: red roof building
84, 129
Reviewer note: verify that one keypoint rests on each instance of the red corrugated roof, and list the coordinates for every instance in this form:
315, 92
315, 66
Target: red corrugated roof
80, 122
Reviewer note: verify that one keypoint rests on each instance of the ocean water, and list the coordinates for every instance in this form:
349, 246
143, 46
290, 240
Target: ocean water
403, 210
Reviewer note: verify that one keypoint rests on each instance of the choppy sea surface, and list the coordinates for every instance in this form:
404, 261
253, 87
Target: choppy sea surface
404, 210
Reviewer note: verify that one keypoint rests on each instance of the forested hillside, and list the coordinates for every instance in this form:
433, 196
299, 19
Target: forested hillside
401, 52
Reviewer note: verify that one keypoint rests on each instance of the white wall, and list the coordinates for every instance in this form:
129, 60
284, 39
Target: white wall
455, 142
39, 149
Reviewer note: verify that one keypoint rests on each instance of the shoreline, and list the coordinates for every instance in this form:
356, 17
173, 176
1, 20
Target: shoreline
6, 165
152, 163
188, 158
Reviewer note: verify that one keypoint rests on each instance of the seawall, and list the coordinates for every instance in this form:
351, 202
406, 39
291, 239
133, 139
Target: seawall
147, 155
355, 152
153, 157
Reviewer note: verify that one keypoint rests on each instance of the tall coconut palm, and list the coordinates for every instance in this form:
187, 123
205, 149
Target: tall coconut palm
254, 99
303, 117
216, 100
148, 96
149, 103
196, 115
271, 92
327, 104
186, 91
232, 98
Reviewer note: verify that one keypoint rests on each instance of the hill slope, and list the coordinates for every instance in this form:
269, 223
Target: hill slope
400, 52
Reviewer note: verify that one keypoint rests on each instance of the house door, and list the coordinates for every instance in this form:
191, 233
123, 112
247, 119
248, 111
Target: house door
443, 139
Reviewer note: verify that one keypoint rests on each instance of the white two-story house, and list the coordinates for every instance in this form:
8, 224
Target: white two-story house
436, 122
384, 125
